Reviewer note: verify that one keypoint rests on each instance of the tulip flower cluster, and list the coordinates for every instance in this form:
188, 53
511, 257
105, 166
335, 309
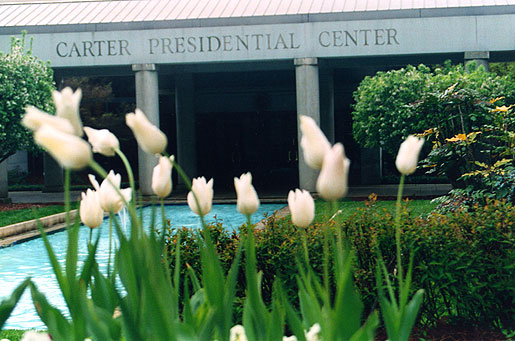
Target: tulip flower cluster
60, 134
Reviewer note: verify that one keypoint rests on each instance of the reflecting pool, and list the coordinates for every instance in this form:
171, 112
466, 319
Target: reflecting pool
30, 258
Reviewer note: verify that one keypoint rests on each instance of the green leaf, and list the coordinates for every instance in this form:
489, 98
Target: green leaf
7, 305
57, 325
368, 330
410, 315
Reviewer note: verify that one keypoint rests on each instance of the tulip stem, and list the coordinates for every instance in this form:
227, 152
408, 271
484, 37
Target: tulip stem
130, 174
91, 236
326, 247
163, 231
398, 230
249, 223
67, 195
334, 209
111, 217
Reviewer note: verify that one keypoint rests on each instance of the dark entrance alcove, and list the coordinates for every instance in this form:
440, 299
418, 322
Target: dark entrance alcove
265, 144
246, 122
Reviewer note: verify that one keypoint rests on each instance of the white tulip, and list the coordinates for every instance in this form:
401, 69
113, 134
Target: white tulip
67, 106
162, 177
407, 157
313, 333
32, 335
290, 338
204, 193
248, 201
70, 151
302, 207
238, 333
313, 142
102, 141
91, 213
35, 118
110, 200
149, 137
332, 181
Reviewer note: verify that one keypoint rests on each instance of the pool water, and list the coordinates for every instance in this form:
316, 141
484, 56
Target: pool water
30, 258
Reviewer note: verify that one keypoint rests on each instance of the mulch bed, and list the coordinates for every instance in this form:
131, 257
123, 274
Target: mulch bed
8, 207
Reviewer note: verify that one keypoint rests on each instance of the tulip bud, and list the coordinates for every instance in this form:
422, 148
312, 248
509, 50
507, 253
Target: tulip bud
313, 333
149, 137
248, 201
302, 207
289, 338
162, 177
91, 214
110, 200
204, 193
70, 151
67, 106
407, 157
313, 142
332, 181
35, 118
237, 333
102, 141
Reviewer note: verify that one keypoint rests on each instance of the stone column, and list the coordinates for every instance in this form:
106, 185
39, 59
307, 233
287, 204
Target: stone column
185, 122
480, 57
327, 104
147, 99
308, 103
53, 174
4, 194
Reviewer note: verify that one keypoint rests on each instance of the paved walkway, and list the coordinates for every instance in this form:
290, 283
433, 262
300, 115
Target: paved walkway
388, 191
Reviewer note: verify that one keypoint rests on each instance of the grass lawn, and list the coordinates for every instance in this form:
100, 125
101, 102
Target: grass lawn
12, 334
9, 217
348, 207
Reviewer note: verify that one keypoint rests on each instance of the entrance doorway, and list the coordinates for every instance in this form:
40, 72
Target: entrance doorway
263, 143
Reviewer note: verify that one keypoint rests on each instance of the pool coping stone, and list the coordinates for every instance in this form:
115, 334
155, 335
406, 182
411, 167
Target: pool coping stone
18, 232
27, 230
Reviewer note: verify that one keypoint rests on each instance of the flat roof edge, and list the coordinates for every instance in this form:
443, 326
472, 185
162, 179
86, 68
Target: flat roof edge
265, 20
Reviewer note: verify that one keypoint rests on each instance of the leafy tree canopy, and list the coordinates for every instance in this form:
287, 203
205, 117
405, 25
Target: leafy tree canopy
392, 105
24, 80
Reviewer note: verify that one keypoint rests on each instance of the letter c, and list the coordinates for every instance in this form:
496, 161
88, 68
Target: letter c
58, 47
320, 39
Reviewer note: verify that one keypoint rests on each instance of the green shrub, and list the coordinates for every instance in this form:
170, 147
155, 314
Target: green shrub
442, 102
464, 260
24, 80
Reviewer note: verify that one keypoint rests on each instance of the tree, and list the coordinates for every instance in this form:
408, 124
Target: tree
24, 80
392, 105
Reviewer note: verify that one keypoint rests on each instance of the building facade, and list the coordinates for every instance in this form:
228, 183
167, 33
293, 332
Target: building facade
226, 80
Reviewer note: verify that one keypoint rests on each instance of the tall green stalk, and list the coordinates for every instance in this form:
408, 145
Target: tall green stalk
129, 172
398, 210
67, 195
111, 217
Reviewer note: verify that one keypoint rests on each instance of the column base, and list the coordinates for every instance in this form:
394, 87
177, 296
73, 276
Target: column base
6, 201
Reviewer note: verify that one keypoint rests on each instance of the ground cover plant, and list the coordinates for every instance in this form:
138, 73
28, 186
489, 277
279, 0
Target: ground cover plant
347, 207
